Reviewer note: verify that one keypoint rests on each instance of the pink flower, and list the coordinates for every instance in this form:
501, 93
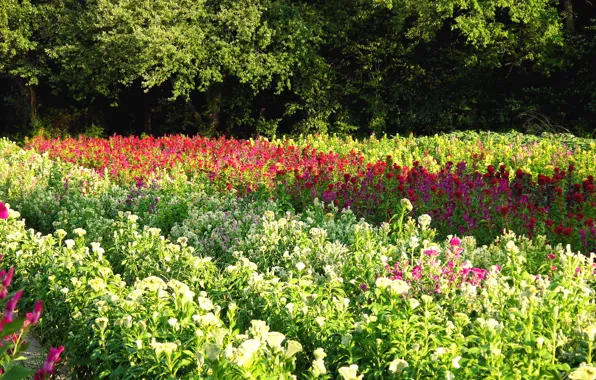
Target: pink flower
6, 278
431, 252
3, 211
417, 272
33, 317
551, 256
455, 242
10, 306
49, 366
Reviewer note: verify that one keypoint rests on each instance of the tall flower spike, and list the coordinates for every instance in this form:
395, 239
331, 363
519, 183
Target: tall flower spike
10, 306
49, 366
33, 317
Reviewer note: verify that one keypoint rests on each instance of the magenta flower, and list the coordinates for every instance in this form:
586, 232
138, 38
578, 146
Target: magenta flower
3, 211
5, 279
455, 242
33, 317
417, 272
49, 366
10, 306
431, 252
551, 256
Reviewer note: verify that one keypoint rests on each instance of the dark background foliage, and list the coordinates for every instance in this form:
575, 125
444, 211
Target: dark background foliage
271, 67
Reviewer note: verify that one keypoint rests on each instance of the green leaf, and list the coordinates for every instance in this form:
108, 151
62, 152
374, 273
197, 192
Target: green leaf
18, 372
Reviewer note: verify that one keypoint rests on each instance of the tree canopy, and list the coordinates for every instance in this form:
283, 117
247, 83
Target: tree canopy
277, 66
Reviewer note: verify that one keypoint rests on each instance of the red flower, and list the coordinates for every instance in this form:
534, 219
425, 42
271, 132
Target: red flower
504, 210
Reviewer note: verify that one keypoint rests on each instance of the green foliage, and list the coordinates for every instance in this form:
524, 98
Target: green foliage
272, 67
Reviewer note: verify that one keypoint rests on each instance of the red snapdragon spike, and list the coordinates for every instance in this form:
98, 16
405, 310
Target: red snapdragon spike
3, 211
33, 317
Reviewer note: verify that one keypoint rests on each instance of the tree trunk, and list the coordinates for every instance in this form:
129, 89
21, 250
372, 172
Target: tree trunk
569, 17
214, 99
33, 102
30, 95
147, 125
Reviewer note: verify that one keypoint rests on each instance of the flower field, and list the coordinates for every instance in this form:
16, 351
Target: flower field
455, 256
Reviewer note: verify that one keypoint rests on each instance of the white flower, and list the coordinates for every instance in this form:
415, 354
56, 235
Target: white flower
414, 303
511, 247
167, 348
290, 307
540, 342
101, 322
318, 367
346, 339
212, 351
69, 243
455, 362
350, 373
133, 218
79, 232
173, 322
438, 353
246, 350
97, 284
259, 328
424, 220
320, 354
493, 324
205, 304
449, 375
293, 348
208, 319
584, 372
591, 332
300, 266
60, 233
154, 231
406, 204
398, 365
139, 344
395, 287
320, 321
275, 339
